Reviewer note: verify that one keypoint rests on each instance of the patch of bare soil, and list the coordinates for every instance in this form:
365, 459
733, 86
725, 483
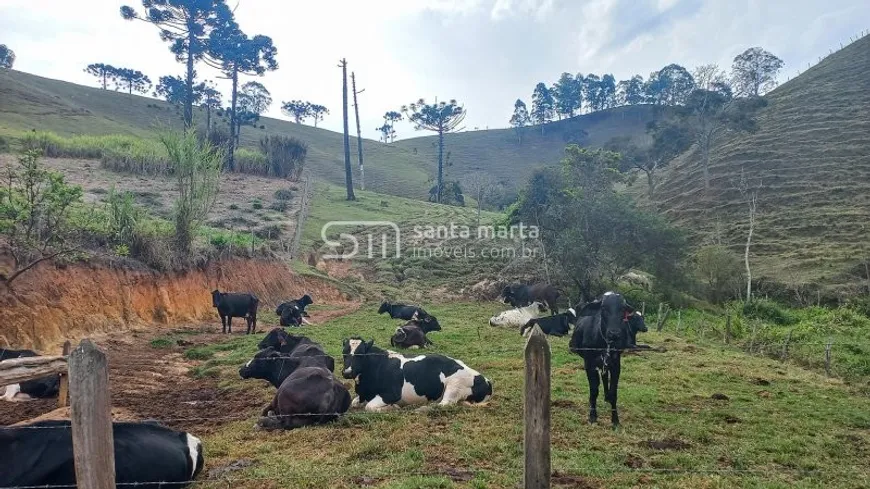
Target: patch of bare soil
559, 479
666, 444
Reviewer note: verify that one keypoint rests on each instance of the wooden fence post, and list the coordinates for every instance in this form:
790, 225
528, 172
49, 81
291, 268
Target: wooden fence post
536, 445
91, 415
63, 390
728, 329
828, 357
679, 320
643, 308
785, 346
752, 340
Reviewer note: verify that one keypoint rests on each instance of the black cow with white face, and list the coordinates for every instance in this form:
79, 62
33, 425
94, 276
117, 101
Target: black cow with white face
427, 321
147, 455
296, 346
308, 396
386, 379
43, 387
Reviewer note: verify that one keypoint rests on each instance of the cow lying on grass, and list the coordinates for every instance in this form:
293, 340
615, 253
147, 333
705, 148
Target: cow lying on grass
555, 325
147, 455
296, 346
292, 313
521, 295
408, 313
515, 318
308, 396
42, 387
410, 335
232, 305
387, 379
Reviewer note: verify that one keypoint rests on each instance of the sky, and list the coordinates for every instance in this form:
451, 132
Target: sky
483, 53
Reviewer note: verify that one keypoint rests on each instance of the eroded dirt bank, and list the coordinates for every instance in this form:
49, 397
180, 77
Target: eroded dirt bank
50, 305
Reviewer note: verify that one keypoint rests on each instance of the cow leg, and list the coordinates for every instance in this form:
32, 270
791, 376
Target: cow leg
11, 391
378, 405
594, 380
254, 324
230, 324
613, 387
223, 324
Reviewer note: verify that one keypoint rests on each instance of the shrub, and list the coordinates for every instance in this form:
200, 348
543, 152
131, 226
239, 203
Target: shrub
285, 156
247, 161
767, 310
284, 194
720, 272
233, 207
122, 215
257, 204
279, 205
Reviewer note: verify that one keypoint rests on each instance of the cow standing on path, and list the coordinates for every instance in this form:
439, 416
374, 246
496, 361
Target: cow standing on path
232, 305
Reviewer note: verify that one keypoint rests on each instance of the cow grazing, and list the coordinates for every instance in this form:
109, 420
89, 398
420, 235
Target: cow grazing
42, 387
600, 338
402, 311
147, 455
386, 379
410, 335
231, 305
555, 325
308, 396
296, 346
520, 295
292, 313
515, 318
274, 366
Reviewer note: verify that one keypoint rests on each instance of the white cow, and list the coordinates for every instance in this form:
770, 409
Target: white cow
514, 318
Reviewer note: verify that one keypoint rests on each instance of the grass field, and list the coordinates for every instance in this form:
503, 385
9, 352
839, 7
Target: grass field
779, 425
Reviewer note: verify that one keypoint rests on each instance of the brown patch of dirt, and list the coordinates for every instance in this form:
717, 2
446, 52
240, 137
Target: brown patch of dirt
719, 397
560, 479
732, 419
760, 381
666, 444
634, 461
338, 269
564, 403
764, 394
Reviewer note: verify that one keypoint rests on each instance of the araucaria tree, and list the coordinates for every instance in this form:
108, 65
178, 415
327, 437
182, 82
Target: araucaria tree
104, 72
173, 90
186, 25
197, 168
318, 112
391, 117
35, 207
211, 100
297, 109
132, 80
542, 105
519, 119
254, 99
238, 54
441, 117
755, 72
7, 57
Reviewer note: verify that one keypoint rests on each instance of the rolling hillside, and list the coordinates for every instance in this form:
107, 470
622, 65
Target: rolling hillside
405, 168
811, 155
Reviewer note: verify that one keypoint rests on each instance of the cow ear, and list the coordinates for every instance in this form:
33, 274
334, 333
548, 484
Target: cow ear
590, 309
370, 344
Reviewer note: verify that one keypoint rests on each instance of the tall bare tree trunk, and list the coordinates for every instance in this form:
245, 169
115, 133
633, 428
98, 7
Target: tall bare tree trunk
234, 122
362, 180
348, 174
753, 199
188, 96
440, 162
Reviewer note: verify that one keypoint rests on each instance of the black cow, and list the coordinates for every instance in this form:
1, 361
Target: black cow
600, 338
308, 396
296, 346
147, 454
291, 313
231, 305
274, 366
387, 379
410, 335
42, 387
402, 311
555, 325
519, 295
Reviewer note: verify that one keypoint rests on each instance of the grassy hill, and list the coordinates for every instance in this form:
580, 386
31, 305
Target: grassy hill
405, 168
811, 156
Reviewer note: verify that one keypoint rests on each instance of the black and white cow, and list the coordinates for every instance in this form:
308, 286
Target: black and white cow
274, 366
555, 325
147, 454
292, 313
308, 396
232, 305
520, 295
42, 387
402, 311
386, 379
296, 346
410, 335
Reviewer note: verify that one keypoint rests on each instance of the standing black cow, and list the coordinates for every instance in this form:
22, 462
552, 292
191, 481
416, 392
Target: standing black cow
147, 455
600, 338
231, 305
519, 295
296, 346
42, 387
291, 313
408, 313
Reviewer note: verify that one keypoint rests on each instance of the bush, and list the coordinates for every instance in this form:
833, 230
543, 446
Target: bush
285, 156
257, 204
123, 216
767, 310
284, 194
252, 162
720, 271
279, 205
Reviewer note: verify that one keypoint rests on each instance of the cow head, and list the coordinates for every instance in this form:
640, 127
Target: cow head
637, 323
352, 351
428, 323
305, 300
614, 311
507, 295
215, 297
277, 338
266, 363
385, 307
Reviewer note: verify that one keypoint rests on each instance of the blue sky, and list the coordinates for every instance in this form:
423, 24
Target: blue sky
484, 53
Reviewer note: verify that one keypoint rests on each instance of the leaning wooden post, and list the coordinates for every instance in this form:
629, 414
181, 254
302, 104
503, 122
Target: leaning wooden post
91, 415
63, 390
728, 329
785, 346
828, 357
536, 472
